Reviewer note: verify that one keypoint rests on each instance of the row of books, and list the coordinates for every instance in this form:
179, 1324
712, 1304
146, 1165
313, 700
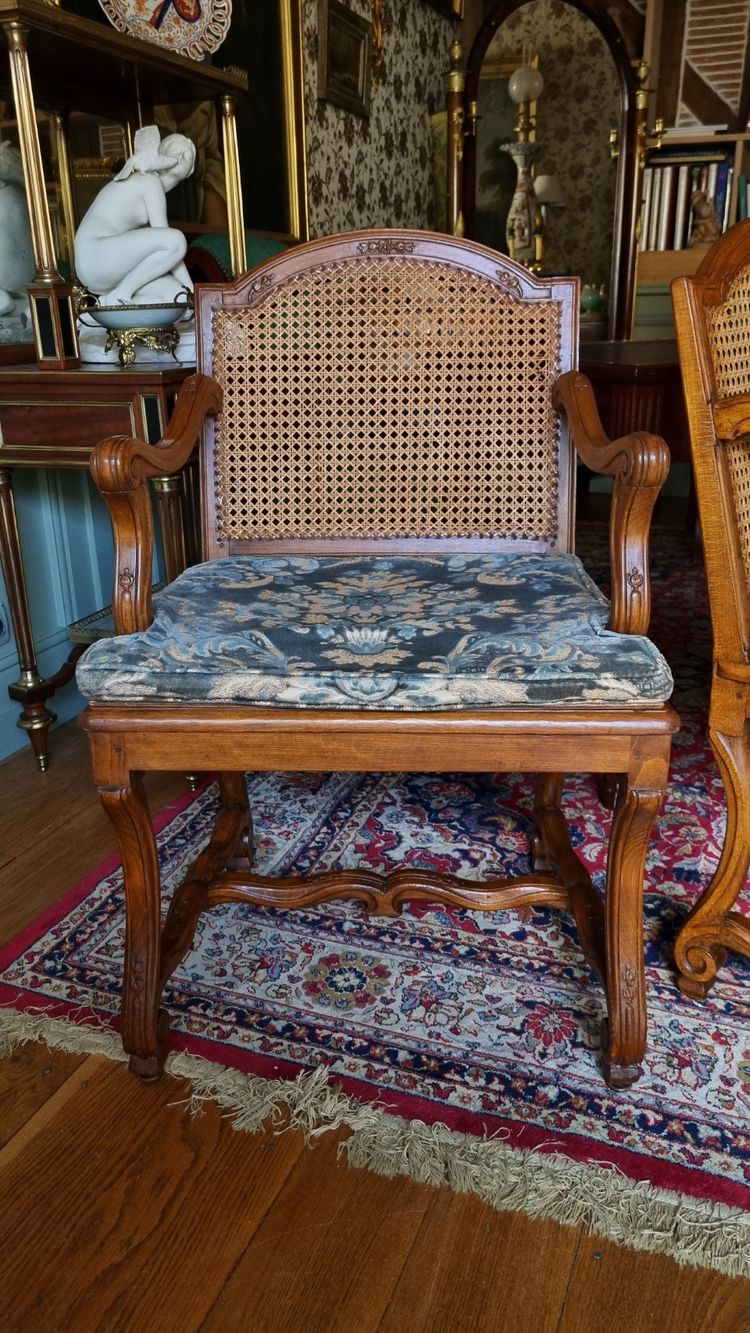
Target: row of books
669, 183
743, 197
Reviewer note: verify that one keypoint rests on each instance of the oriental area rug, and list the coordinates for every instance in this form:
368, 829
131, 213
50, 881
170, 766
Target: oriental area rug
459, 1048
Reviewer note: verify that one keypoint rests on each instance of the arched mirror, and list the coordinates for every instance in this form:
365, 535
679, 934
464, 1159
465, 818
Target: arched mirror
551, 116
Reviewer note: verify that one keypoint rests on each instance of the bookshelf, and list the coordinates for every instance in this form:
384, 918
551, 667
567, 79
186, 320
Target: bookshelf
718, 163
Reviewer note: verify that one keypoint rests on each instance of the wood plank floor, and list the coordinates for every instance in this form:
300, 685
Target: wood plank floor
120, 1212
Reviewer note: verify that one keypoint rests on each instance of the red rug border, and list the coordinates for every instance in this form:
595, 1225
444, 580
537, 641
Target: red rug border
664, 1175
676, 1179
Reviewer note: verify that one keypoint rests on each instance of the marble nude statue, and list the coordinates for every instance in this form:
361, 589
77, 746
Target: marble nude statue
125, 250
16, 251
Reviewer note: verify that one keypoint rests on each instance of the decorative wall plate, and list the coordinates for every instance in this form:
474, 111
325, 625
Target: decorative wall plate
189, 27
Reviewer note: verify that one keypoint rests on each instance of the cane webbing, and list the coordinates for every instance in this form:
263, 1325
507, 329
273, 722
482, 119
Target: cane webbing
382, 398
728, 327
729, 338
737, 454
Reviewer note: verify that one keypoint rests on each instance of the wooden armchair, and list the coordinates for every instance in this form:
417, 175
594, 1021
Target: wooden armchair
387, 480
712, 320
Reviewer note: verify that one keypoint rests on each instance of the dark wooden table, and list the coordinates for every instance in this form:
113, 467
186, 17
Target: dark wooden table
638, 387
53, 419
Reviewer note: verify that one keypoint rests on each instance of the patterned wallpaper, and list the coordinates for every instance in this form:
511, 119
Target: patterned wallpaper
378, 172
579, 103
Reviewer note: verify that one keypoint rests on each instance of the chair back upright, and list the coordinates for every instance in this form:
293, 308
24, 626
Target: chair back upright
387, 391
712, 323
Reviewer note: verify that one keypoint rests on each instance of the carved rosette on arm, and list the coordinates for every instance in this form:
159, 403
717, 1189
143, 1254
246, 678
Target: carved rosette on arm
131, 261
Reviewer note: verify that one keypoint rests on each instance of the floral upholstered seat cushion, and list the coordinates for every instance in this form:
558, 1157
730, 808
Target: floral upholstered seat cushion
399, 632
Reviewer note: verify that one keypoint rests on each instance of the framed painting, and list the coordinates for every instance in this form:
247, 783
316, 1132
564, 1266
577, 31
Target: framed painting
266, 40
344, 57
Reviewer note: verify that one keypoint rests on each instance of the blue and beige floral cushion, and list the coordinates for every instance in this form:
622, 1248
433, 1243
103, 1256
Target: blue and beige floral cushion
401, 632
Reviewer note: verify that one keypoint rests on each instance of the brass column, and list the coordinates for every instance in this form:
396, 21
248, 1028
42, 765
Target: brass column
50, 298
455, 110
294, 101
628, 204
66, 187
31, 154
235, 218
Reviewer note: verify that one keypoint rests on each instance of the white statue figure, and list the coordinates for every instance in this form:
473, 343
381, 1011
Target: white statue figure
16, 250
125, 250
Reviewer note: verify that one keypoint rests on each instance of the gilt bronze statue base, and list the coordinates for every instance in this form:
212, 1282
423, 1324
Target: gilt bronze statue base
157, 340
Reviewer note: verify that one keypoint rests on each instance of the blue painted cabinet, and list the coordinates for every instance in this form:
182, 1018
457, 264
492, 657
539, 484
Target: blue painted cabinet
66, 540
49, 423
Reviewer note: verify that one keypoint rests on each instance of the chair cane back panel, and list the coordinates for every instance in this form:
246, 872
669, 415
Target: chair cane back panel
366, 398
728, 326
737, 457
728, 330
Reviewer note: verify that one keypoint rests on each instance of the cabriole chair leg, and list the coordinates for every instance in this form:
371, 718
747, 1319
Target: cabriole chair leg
144, 1025
700, 946
624, 1032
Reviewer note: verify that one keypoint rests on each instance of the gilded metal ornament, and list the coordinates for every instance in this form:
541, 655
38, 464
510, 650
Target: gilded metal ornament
157, 340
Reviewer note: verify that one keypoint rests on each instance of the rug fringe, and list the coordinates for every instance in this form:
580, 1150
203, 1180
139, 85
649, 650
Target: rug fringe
641, 1216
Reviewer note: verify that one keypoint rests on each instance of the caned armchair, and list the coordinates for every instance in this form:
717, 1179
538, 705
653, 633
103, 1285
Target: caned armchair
712, 321
388, 422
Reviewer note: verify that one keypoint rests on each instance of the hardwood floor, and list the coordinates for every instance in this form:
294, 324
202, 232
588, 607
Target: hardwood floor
120, 1212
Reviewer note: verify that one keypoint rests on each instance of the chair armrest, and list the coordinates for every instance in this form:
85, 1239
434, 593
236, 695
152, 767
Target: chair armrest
639, 464
121, 467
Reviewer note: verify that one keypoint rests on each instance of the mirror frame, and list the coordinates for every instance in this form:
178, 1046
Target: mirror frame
627, 194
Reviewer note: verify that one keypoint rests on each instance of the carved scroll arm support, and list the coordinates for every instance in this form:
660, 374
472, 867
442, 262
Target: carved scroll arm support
121, 467
639, 464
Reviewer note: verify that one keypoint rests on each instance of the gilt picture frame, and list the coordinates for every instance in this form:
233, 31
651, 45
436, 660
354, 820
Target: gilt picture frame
344, 57
451, 9
266, 40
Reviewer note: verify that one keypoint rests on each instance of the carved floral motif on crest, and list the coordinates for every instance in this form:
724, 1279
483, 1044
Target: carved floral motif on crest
509, 283
386, 248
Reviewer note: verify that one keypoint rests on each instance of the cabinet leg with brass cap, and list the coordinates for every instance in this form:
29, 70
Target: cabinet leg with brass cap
30, 690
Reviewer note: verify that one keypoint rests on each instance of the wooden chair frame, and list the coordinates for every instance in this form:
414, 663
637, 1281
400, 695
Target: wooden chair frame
128, 739
717, 422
